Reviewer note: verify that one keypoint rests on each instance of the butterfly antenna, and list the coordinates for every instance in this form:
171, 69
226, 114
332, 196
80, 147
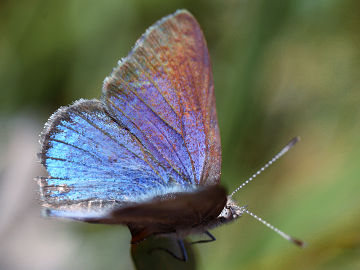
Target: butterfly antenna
275, 158
281, 233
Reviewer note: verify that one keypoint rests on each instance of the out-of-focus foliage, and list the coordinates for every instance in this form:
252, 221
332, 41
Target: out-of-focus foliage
281, 68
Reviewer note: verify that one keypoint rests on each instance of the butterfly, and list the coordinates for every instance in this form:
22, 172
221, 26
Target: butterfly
148, 154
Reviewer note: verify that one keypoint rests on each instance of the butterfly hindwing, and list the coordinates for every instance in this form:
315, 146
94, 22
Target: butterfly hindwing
91, 159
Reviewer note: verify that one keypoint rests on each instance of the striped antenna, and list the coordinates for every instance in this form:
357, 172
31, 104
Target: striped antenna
275, 158
281, 233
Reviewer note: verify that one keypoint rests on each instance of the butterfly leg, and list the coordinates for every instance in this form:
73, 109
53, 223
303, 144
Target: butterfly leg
212, 238
183, 250
184, 256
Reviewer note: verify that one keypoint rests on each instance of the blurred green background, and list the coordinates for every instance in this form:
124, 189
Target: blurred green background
281, 68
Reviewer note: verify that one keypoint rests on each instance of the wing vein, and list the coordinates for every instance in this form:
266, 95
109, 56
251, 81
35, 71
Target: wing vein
76, 147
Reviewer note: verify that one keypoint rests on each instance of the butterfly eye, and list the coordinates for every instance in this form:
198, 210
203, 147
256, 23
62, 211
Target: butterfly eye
226, 213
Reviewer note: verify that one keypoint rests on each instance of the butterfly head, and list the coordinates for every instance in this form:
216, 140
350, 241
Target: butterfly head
231, 211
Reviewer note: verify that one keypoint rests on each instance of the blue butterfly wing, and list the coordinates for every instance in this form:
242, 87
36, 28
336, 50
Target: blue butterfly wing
94, 161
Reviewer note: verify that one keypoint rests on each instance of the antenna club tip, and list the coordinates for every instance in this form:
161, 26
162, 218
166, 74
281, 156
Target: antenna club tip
298, 242
294, 141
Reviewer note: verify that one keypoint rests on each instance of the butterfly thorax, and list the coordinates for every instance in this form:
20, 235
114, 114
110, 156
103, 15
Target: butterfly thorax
230, 212
185, 214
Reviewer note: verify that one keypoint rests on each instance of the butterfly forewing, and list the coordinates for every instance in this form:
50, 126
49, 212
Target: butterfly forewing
163, 92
